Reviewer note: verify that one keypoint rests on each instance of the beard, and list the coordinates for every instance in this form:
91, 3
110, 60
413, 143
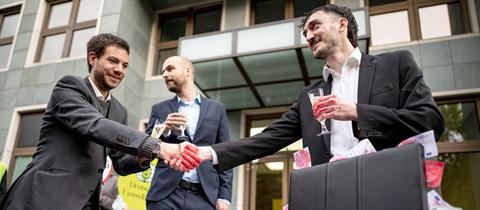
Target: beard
174, 87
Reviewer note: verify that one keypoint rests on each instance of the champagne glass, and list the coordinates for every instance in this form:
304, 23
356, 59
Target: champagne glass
182, 136
158, 129
314, 95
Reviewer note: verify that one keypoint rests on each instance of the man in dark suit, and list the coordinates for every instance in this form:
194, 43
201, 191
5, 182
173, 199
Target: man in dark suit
83, 124
383, 98
206, 124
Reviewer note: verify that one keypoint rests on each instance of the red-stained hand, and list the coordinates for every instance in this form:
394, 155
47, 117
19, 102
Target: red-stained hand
187, 160
332, 107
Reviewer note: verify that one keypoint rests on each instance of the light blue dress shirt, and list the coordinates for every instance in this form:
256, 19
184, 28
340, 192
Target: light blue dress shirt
192, 109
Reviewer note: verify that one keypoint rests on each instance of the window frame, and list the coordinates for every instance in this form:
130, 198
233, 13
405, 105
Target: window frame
9, 40
472, 145
189, 30
10, 150
68, 29
412, 7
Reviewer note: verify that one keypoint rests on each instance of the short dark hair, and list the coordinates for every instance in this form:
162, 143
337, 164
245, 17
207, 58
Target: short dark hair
341, 11
100, 42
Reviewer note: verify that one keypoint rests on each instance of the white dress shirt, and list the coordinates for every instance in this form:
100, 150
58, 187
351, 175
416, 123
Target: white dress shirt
98, 93
345, 86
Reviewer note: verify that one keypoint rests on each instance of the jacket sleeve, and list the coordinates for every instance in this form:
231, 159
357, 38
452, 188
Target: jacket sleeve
226, 177
125, 164
71, 107
417, 110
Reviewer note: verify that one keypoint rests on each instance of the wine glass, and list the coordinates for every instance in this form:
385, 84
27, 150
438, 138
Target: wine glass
158, 129
314, 95
182, 136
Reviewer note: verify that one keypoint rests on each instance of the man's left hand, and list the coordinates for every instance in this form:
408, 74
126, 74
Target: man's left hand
222, 205
333, 107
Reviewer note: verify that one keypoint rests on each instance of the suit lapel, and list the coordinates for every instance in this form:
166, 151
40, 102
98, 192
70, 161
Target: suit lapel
174, 104
203, 110
365, 78
92, 92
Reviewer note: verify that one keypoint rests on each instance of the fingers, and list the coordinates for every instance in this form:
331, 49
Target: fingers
175, 120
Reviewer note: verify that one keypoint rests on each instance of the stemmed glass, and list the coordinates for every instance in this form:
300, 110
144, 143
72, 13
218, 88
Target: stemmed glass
158, 129
314, 95
182, 136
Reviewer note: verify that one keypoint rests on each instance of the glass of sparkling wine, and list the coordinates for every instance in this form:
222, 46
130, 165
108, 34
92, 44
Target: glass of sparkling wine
182, 136
314, 95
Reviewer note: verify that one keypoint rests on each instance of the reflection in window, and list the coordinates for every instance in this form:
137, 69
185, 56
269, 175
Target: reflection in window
173, 28
207, 21
20, 163
59, 14
52, 47
61, 37
461, 180
268, 10
79, 42
448, 14
269, 185
389, 33
301, 7
4, 55
162, 56
461, 122
9, 25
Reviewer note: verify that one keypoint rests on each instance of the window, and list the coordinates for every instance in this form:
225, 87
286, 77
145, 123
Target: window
459, 148
268, 177
416, 19
264, 11
174, 26
8, 26
25, 143
67, 27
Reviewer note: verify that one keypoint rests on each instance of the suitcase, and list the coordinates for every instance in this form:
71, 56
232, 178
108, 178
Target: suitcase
390, 179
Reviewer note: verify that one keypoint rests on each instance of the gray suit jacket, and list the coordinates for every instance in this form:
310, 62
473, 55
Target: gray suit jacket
394, 103
67, 167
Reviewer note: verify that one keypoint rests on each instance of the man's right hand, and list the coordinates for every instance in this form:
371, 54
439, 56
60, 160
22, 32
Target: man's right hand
175, 121
184, 155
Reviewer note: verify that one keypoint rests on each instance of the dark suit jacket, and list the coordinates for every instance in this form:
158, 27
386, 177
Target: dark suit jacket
67, 167
393, 104
212, 128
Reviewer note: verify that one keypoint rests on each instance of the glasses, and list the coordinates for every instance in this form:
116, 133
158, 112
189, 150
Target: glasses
314, 96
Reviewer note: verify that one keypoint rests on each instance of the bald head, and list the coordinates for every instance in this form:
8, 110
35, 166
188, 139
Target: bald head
179, 60
178, 73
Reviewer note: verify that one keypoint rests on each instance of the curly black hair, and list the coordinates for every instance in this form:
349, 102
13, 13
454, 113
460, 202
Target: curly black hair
341, 11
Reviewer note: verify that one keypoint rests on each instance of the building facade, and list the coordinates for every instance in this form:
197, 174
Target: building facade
248, 54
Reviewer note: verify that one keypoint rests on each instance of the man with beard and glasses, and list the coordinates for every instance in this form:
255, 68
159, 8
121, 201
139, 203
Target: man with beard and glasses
82, 124
383, 98
206, 123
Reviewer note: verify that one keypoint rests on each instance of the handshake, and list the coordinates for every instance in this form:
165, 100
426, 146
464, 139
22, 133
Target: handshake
185, 156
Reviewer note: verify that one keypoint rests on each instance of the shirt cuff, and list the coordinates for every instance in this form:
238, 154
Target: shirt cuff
224, 200
147, 147
214, 156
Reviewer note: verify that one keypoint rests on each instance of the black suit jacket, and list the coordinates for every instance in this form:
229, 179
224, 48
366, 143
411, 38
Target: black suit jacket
393, 104
212, 128
67, 167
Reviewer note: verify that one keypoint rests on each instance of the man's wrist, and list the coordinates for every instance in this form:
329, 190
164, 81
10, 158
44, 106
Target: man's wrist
146, 149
